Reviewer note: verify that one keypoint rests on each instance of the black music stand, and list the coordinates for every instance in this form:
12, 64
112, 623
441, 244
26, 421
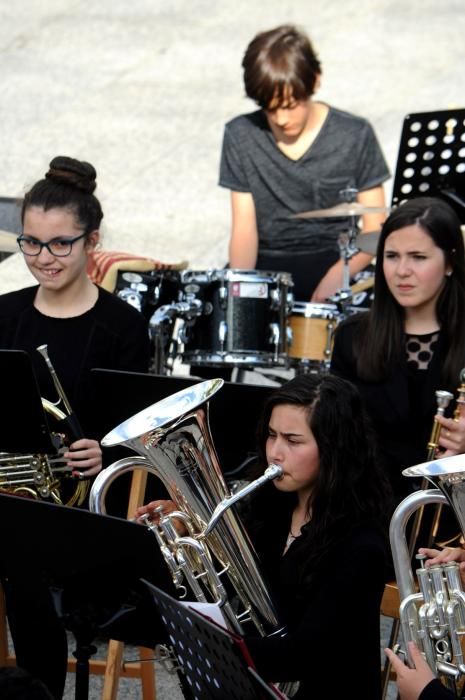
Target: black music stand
234, 411
215, 662
24, 427
431, 158
92, 563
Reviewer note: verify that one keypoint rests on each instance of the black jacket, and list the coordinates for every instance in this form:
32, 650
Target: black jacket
342, 595
402, 428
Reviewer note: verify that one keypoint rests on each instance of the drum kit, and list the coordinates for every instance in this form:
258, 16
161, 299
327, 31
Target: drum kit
245, 318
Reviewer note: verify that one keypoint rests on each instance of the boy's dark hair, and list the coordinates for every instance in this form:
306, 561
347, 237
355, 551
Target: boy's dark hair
280, 65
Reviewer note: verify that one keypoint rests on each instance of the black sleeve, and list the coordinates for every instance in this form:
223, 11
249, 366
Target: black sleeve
347, 594
343, 360
435, 690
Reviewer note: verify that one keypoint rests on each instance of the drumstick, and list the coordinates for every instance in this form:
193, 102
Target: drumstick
362, 285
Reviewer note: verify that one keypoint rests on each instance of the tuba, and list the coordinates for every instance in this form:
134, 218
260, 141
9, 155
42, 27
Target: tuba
174, 443
433, 615
44, 475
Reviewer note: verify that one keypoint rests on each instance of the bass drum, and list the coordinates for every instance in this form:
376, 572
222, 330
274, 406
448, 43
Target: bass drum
242, 317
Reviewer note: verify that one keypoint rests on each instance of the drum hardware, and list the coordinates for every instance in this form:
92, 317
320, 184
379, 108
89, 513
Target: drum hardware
133, 294
222, 334
161, 326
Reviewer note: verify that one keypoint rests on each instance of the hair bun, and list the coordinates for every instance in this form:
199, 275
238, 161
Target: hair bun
69, 171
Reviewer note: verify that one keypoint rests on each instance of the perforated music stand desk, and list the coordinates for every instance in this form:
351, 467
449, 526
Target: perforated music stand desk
215, 662
24, 427
431, 158
97, 561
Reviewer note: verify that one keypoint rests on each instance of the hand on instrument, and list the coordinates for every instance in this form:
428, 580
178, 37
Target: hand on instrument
452, 436
410, 681
445, 555
154, 517
84, 457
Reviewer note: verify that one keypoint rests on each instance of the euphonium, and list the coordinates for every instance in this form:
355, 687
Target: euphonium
433, 616
42, 475
174, 442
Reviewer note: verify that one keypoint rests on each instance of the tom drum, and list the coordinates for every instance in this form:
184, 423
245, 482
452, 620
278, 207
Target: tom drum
241, 319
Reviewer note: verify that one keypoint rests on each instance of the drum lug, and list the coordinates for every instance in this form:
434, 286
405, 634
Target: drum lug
222, 333
289, 336
331, 327
289, 303
275, 334
275, 297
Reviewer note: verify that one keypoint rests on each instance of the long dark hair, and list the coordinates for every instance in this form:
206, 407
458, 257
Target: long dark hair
68, 184
351, 487
381, 344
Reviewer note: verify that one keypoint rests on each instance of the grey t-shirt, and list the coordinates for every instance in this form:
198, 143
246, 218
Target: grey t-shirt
345, 153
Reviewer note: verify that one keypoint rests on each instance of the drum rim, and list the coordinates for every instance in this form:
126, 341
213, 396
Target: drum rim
237, 275
300, 308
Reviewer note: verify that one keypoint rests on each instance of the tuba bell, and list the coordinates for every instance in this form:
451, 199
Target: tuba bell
432, 614
174, 443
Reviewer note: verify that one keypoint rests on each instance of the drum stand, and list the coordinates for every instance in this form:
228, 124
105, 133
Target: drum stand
343, 298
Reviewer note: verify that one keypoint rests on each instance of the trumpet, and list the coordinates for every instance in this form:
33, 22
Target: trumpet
443, 399
41, 475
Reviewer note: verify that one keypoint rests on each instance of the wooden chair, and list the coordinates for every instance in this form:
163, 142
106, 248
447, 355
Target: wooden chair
113, 667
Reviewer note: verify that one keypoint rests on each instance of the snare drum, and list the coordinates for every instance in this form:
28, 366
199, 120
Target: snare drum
312, 327
242, 317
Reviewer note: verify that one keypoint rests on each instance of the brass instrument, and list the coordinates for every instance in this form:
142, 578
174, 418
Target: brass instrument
443, 399
434, 616
174, 442
41, 475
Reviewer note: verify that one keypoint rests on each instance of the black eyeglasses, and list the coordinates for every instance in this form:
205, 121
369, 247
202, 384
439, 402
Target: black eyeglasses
60, 247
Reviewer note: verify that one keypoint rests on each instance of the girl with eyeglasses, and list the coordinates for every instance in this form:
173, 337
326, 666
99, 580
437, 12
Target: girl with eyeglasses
83, 326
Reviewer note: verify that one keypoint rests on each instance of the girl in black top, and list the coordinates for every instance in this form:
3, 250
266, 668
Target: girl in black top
321, 534
84, 327
412, 341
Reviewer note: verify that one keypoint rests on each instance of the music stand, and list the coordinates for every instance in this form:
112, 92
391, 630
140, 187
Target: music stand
24, 427
431, 158
95, 562
215, 662
234, 411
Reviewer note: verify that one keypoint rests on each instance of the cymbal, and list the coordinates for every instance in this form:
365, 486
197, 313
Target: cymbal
367, 242
343, 209
8, 242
